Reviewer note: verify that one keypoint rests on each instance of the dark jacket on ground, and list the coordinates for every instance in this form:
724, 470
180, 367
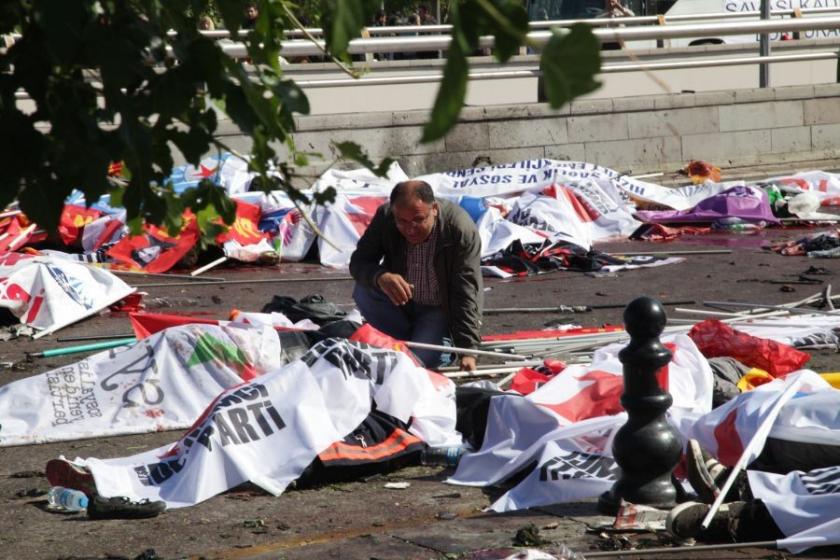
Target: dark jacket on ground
457, 259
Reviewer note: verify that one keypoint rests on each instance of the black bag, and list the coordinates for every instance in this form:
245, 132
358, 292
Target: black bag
313, 307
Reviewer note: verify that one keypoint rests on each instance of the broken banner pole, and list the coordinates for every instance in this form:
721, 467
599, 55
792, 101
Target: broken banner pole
82, 348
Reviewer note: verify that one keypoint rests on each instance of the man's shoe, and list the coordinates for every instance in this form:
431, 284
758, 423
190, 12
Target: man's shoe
61, 472
123, 508
685, 521
705, 473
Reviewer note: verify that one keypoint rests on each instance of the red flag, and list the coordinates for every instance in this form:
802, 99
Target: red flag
245, 228
73, 219
155, 250
18, 233
147, 324
368, 205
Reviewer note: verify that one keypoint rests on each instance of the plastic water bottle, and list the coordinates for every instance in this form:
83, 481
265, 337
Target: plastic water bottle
566, 553
826, 254
442, 456
67, 498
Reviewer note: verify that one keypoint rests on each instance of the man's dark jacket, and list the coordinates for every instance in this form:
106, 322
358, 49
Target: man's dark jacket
457, 259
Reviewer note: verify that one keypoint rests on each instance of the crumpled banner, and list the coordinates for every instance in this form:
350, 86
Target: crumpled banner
715, 339
50, 293
268, 430
160, 383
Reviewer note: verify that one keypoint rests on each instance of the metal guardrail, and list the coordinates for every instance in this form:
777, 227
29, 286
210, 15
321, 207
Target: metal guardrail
300, 48
391, 30
606, 69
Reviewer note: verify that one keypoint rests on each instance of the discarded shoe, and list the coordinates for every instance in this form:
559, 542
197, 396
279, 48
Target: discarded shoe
704, 472
123, 508
685, 521
61, 472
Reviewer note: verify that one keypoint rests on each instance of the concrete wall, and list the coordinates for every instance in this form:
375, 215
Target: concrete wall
775, 126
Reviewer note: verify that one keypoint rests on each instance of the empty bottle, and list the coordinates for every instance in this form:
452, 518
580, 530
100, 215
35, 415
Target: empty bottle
67, 498
826, 254
443, 456
566, 553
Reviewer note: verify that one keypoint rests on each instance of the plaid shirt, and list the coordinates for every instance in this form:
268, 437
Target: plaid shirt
420, 270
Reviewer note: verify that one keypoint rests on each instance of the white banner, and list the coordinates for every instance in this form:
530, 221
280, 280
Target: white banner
497, 233
801, 407
572, 419
562, 217
268, 430
563, 475
514, 178
799, 501
48, 293
794, 330
677, 198
161, 383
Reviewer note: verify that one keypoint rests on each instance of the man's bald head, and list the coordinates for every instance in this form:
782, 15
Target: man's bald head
407, 192
415, 210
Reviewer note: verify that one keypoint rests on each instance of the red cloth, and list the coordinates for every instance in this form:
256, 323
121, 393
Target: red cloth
73, 219
147, 324
245, 228
155, 250
369, 335
715, 339
528, 380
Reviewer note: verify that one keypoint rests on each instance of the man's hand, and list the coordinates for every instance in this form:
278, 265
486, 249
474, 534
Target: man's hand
467, 363
395, 287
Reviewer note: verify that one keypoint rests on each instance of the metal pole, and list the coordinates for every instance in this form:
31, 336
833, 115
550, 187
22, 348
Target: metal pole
764, 48
675, 550
224, 282
467, 351
765, 306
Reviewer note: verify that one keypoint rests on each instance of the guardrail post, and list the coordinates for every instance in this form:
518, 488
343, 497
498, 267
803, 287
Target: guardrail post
764, 48
660, 20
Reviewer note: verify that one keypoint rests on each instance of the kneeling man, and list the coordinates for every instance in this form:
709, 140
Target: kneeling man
417, 272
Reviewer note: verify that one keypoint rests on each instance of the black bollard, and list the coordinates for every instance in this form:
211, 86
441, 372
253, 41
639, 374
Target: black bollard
647, 447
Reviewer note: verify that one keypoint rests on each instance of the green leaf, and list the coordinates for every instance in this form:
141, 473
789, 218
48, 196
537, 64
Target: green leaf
509, 38
450, 95
325, 196
352, 151
569, 64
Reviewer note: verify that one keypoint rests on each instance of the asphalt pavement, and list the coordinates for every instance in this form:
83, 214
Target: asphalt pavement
362, 519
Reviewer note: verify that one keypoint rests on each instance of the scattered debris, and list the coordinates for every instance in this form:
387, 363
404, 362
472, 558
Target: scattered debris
159, 303
397, 485
33, 492
528, 535
253, 523
27, 474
